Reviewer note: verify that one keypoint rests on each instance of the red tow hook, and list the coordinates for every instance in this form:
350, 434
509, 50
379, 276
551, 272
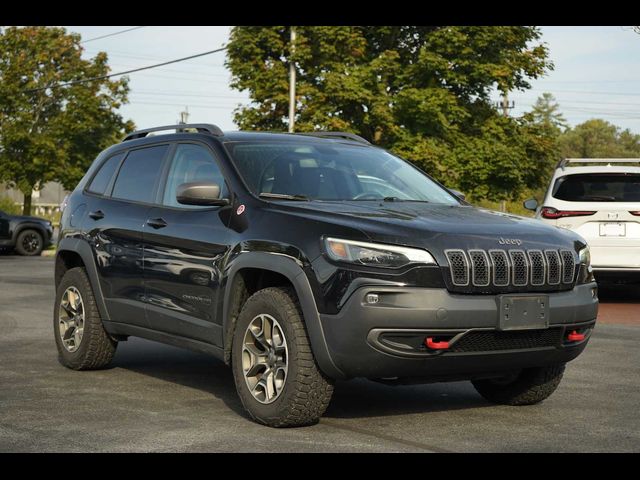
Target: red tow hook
575, 336
436, 345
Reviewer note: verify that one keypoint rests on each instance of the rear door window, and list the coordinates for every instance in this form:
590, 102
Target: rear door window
598, 187
138, 176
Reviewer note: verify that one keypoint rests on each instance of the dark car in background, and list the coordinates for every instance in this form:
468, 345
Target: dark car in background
24, 234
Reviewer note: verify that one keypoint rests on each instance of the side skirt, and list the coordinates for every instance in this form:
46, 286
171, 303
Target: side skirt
116, 328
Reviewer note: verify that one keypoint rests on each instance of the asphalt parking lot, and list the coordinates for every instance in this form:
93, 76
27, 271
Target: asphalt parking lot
160, 398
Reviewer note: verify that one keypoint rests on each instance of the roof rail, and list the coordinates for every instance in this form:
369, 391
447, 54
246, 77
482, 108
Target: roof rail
344, 135
200, 127
566, 161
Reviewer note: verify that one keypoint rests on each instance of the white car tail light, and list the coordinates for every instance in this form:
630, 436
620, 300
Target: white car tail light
553, 213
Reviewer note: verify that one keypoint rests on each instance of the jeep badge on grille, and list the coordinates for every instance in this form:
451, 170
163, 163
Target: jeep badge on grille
510, 241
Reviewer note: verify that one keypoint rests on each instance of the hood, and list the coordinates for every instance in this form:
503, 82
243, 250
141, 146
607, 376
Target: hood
446, 226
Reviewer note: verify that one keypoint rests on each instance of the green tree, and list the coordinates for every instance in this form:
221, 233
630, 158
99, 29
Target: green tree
599, 139
49, 132
423, 92
546, 112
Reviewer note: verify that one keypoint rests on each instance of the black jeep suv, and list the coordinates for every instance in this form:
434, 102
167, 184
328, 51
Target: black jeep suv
26, 235
299, 259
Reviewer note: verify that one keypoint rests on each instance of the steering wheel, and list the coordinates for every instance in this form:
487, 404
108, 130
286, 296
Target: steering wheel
367, 196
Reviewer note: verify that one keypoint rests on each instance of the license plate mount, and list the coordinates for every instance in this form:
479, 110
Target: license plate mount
523, 312
617, 229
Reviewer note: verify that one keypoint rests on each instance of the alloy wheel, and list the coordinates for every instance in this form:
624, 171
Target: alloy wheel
71, 319
265, 358
31, 242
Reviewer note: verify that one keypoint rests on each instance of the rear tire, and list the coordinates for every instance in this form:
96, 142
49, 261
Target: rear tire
92, 349
303, 392
29, 243
531, 386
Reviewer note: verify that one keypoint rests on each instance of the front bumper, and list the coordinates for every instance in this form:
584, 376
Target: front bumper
385, 339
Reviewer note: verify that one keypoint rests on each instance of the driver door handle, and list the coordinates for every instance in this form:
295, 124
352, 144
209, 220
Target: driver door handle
156, 223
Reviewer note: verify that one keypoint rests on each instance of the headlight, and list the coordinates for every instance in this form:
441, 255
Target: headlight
585, 257
375, 254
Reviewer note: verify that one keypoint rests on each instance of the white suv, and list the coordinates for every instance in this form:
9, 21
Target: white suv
599, 198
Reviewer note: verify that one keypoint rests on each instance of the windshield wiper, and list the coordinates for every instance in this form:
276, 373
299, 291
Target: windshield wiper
397, 199
284, 196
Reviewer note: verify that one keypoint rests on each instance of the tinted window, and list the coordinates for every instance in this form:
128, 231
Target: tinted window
139, 173
333, 171
191, 163
103, 177
598, 187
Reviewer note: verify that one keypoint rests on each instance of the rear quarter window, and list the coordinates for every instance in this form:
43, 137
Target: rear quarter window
101, 179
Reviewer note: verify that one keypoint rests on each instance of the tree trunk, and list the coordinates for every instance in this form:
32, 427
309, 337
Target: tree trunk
26, 206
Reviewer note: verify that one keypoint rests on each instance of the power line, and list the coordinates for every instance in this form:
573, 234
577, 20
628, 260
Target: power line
119, 64
169, 104
111, 34
102, 77
116, 53
591, 92
199, 95
587, 102
211, 80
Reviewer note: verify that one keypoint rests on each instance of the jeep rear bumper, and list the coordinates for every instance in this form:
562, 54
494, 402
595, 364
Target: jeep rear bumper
387, 338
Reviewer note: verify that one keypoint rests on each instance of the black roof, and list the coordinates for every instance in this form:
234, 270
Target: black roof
238, 136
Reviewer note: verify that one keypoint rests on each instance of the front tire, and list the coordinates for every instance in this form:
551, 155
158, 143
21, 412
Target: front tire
82, 342
29, 243
275, 372
530, 386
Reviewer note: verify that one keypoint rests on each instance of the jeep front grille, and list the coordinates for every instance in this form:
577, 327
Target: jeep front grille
459, 267
511, 268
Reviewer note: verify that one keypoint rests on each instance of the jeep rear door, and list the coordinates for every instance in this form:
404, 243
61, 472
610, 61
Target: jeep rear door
115, 218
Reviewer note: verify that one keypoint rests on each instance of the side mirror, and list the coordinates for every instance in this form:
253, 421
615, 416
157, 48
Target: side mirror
530, 204
458, 194
200, 193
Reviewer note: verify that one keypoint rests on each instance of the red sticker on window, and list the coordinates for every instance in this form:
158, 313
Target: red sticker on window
240, 210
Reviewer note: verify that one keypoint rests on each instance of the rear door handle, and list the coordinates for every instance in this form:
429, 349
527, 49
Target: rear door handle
97, 215
156, 223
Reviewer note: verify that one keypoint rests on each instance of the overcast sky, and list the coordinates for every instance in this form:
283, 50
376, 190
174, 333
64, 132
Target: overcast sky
597, 74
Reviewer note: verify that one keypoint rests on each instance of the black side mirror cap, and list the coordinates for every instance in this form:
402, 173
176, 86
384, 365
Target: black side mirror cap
200, 193
530, 204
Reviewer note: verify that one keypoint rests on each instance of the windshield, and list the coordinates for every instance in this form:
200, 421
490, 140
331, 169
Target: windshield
332, 172
598, 187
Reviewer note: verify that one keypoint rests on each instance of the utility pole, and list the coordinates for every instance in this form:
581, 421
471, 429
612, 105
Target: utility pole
505, 112
292, 83
184, 116
505, 104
